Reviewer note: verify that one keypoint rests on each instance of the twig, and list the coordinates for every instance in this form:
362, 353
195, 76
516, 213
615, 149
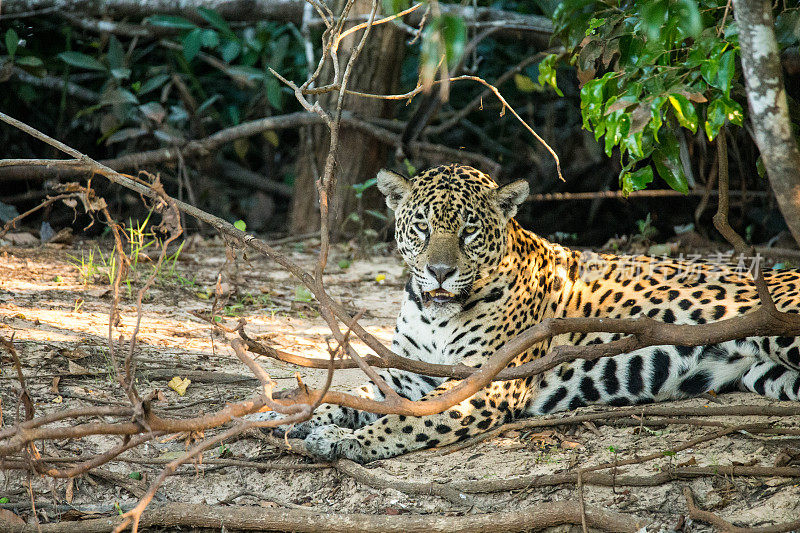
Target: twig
420, 88
583, 504
24, 396
647, 193
478, 100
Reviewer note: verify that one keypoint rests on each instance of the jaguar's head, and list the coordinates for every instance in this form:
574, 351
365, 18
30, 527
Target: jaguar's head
451, 229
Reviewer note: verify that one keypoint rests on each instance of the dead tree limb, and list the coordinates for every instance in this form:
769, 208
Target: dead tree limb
512, 24
280, 519
695, 513
40, 169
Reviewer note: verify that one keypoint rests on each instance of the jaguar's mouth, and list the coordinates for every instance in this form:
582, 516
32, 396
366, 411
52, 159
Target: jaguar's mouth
438, 296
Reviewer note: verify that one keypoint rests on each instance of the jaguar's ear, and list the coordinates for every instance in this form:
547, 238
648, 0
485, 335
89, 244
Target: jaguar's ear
394, 186
508, 197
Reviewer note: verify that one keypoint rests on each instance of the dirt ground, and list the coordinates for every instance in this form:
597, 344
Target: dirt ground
54, 300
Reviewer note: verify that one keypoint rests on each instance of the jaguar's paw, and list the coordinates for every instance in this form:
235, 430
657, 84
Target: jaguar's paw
331, 442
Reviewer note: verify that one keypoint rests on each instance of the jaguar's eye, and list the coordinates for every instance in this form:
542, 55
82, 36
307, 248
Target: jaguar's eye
469, 230
422, 226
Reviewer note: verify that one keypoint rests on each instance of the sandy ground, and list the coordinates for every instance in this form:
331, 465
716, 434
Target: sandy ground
58, 315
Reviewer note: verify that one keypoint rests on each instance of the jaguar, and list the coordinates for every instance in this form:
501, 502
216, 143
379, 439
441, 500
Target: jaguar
477, 279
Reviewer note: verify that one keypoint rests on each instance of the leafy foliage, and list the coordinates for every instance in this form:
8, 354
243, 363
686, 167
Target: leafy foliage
152, 92
649, 69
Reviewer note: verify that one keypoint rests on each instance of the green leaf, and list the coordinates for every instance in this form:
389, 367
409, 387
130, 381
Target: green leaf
216, 20
153, 83
240, 225
684, 111
547, 73
687, 15
667, 159
118, 96
618, 125
392, 7
654, 16
445, 36
230, 50
302, 294
719, 112
12, 42
631, 49
191, 44
4, 500
210, 39
727, 67
29, 61
77, 59
715, 119
274, 93
592, 100
115, 54
121, 73
760, 168
454, 33
170, 21
633, 143
719, 68
787, 27
594, 23
135, 475
638, 180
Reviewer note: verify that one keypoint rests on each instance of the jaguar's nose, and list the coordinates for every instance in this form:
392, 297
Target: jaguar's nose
441, 272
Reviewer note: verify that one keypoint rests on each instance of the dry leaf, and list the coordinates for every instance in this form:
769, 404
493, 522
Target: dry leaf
21, 239
54, 386
10, 518
179, 385
70, 490
75, 369
98, 293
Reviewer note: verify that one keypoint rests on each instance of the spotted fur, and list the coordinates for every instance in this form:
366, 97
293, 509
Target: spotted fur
455, 231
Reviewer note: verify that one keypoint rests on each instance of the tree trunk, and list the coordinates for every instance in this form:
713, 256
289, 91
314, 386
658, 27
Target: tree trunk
769, 113
359, 156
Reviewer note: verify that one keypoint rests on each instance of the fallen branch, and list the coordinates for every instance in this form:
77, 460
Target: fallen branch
365, 476
695, 513
622, 413
38, 169
647, 193
279, 519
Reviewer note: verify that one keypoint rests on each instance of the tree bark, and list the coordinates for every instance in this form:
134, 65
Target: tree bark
359, 155
769, 113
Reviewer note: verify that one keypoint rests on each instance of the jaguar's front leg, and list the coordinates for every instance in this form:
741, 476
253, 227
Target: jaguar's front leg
393, 435
344, 419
